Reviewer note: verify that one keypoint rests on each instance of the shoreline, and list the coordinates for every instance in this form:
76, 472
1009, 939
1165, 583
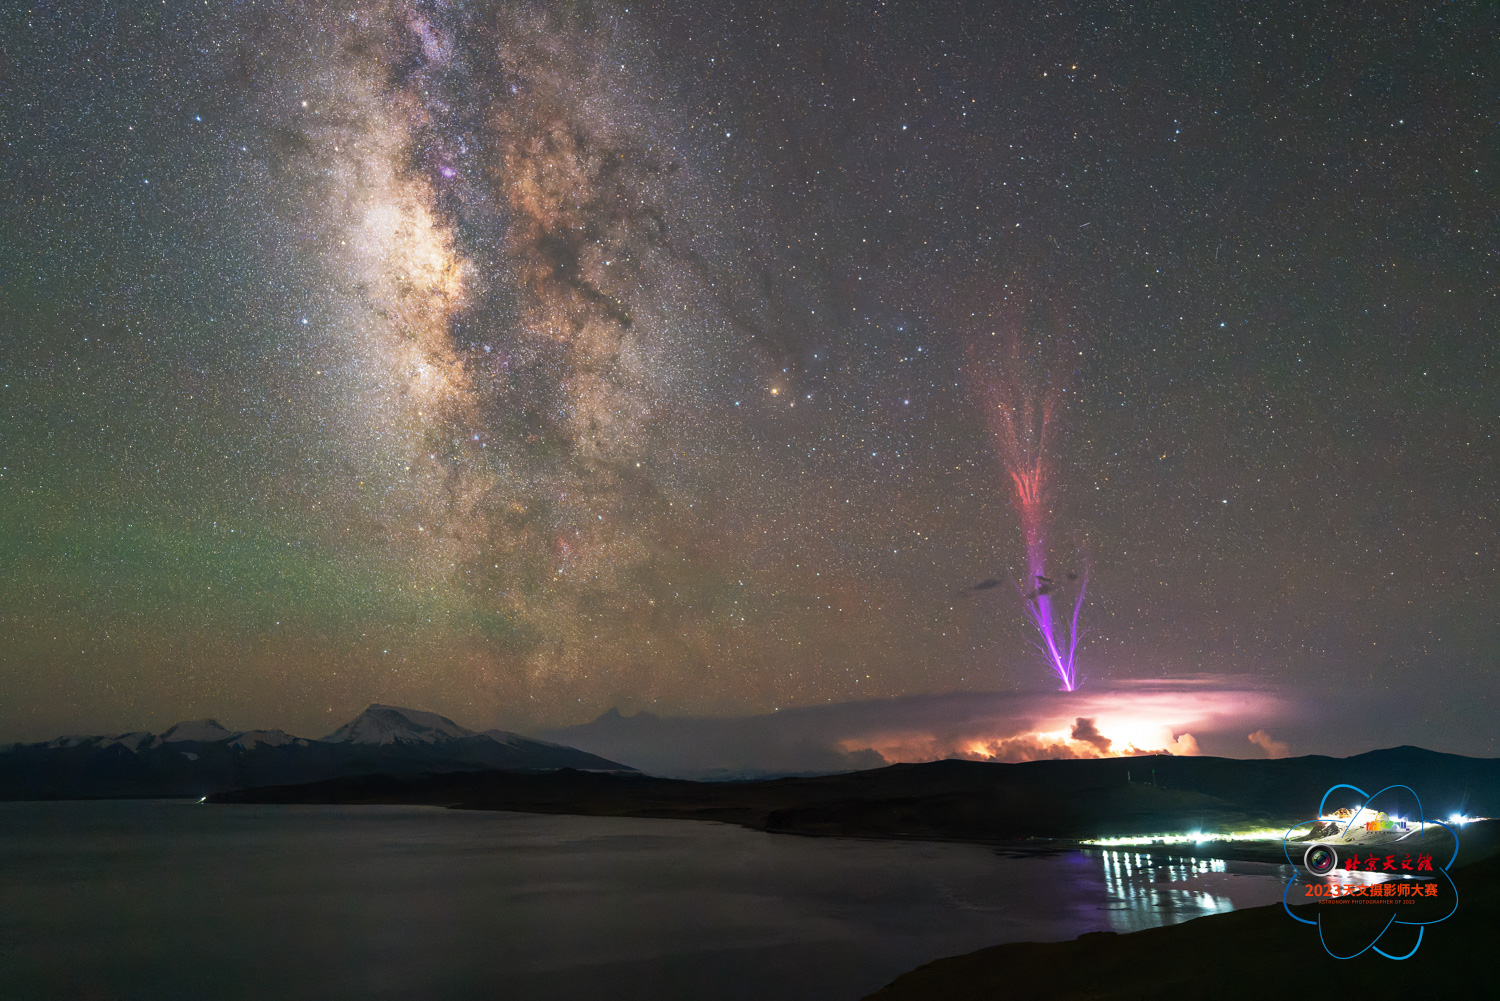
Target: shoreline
1254, 953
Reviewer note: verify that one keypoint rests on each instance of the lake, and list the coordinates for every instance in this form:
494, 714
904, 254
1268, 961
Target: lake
174, 900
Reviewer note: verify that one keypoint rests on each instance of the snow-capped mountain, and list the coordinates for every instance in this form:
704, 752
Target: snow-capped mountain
210, 731
203, 731
394, 725
130, 741
265, 738
196, 757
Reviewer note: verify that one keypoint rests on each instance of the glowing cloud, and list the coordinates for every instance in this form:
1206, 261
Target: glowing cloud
1273, 748
1156, 717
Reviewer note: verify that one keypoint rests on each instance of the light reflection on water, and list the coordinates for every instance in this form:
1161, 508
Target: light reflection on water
1147, 891
127, 900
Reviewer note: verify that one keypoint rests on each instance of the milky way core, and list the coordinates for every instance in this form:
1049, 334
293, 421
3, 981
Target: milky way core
523, 324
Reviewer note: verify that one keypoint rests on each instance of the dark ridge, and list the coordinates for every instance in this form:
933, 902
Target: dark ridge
1247, 955
962, 800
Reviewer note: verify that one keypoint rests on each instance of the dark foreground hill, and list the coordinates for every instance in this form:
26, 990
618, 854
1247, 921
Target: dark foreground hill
199, 757
1258, 953
955, 799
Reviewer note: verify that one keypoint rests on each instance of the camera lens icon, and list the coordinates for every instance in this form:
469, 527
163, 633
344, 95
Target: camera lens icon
1320, 860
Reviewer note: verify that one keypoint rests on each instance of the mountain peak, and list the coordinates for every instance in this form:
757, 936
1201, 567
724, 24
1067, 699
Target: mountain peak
204, 731
262, 738
613, 716
395, 724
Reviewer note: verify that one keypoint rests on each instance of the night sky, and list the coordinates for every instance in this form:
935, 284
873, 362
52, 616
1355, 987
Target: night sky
524, 361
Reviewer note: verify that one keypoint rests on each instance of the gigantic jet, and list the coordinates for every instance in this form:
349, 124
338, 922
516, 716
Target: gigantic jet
1019, 419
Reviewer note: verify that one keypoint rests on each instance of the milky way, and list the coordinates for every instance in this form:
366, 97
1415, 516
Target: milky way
524, 361
528, 325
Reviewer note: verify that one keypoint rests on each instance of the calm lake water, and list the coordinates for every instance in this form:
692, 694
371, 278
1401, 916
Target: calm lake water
173, 900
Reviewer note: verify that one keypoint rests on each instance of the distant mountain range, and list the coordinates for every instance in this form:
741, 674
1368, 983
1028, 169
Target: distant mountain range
199, 757
967, 800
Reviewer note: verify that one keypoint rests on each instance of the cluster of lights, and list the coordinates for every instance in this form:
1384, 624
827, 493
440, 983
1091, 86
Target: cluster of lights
1261, 834
1191, 838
